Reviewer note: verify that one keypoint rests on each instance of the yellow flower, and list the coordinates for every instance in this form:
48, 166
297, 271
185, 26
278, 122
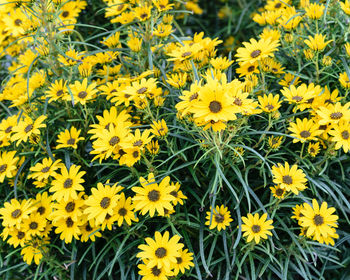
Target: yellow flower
124, 211
256, 227
70, 58
177, 194
334, 113
184, 52
89, 232
153, 147
314, 11
221, 63
43, 170
34, 224
347, 49
143, 12
159, 128
154, 272
14, 212
341, 135
8, 165
317, 43
289, 178
275, 142
69, 138
273, 34
34, 250
68, 229
278, 192
304, 130
13, 22
82, 92
163, 30
135, 44
289, 19
298, 95
345, 6
72, 208
288, 80
248, 69
344, 80
313, 149
297, 212
269, 103
219, 218
177, 80
26, 128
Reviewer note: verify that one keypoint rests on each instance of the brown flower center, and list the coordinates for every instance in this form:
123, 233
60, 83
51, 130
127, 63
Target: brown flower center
18, 22
141, 90
9, 129
160, 252
251, 68
255, 53
59, 92
45, 169
122, 211
138, 143
70, 207
278, 5
287, 179
135, 154
156, 271
3, 168
256, 228
193, 96
88, 227
15, 214
65, 14
33, 225
143, 16
219, 218
318, 220
68, 183
153, 195
41, 210
345, 135
238, 101
178, 260
71, 141
20, 234
336, 115
215, 106
114, 140
279, 192
69, 222
269, 107
305, 134
297, 98
105, 202
28, 128
185, 54
82, 94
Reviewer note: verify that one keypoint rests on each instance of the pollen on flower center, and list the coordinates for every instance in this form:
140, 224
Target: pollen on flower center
82, 94
215, 106
65, 14
33, 225
3, 168
88, 227
305, 134
156, 271
193, 96
161, 252
71, 141
122, 211
114, 140
70, 206
105, 202
68, 183
238, 102
345, 134
287, 180
255, 53
256, 228
153, 195
318, 220
15, 214
219, 218
269, 107
336, 115
28, 128
251, 68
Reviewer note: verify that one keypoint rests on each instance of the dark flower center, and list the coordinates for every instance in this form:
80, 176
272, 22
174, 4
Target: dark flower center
215, 107
28, 128
3, 168
9, 129
153, 195
138, 143
251, 68
88, 227
20, 234
156, 271
178, 260
278, 5
41, 210
45, 169
219, 218
59, 92
336, 115
160, 252
185, 54
82, 94
318, 220
135, 154
122, 211
305, 134
71, 141
33, 225
256, 228
193, 96
297, 98
141, 90
144, 15
105, 202
279, 192
269, 107
69, 222
65, 14
287, 180
345, 135
255, 53
70, 207
114, 140
15, 214
68, 183
18, 22
238, 101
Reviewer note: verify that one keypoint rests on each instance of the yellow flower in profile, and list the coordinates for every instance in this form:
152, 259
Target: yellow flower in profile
314, 11
152, 196
177, 80
160, 251
14, 212
290, 18
319, 221
69, 138
89, 232
26, 128
256, 227
297, 212
70, 58
66, 184
347, 49
82, 92
269, 103
8, 165
275, 142
184, 52
248, 69
304, 130
35, 250
219, 218
313, 149
153, 147
278, 192
163, 30
102, 202
344, 80
135, 43
341, 135
256, 50
159, 128
289, 79
289, 178
345, 6
317, 43
177, 194
273, 34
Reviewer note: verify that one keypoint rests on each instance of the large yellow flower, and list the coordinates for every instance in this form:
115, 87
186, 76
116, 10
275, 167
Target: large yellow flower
68, 229
69, 138
341, 135
256, 227
82, 92
27, 128
13, 213
304, 130
317, 43
334, 113
44, 169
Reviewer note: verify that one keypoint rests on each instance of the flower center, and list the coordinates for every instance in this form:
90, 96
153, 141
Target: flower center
135, 154
41, 210
215, 107
297, 98
156, 271
33, 225
345, 135
69, 222
9, 129
71, 141
255, 53
160, 252
193, 96
305, 134
82, 94
185, 54
178, 260
18, 22
20, 234
141, 90
88, 227
269, 107
279, 192
28, 128
256, 228
68, 183
65, 14
219, 218
153, 195
318, 220
143, 16
336, 115
105, 202
59, 92
122, 211
15, 214
251, 68
238, 101
114, 140
138, 143
70, 207
287, 180
45, 169
3, 168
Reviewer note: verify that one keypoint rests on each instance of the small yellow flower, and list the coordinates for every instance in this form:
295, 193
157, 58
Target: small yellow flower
317, 43
344, 80
69, 138
159, 128
314, 11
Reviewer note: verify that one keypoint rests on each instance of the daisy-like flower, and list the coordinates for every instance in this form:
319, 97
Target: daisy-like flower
139, 139
89, 232
334, 113
313, 149
14, 212
58, 91
318, 220
269, 103
155, 272
183, 262
275, 142
297, 212
345, 6
14, 22
317, 43
314, 11
124, 211
27, 128
70, 58
101, 202
8, 165
289, 178
72, 208
17, 236
161, 251
153, 147
159, 128
297, 95
42, 204
69, 138
45, 169
278, 192
219, 218
341, 135
256, 50
248, 69
82, 92
66, 184
68, 229
304, 130
256, 227
33, 251
34, 224
177, 194
143, 12
184, 52
152, 196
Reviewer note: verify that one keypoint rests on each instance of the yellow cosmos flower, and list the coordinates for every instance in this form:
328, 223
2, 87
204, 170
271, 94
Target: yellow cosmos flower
289, 178
69, 138
256, 227
219, 218
160, 251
